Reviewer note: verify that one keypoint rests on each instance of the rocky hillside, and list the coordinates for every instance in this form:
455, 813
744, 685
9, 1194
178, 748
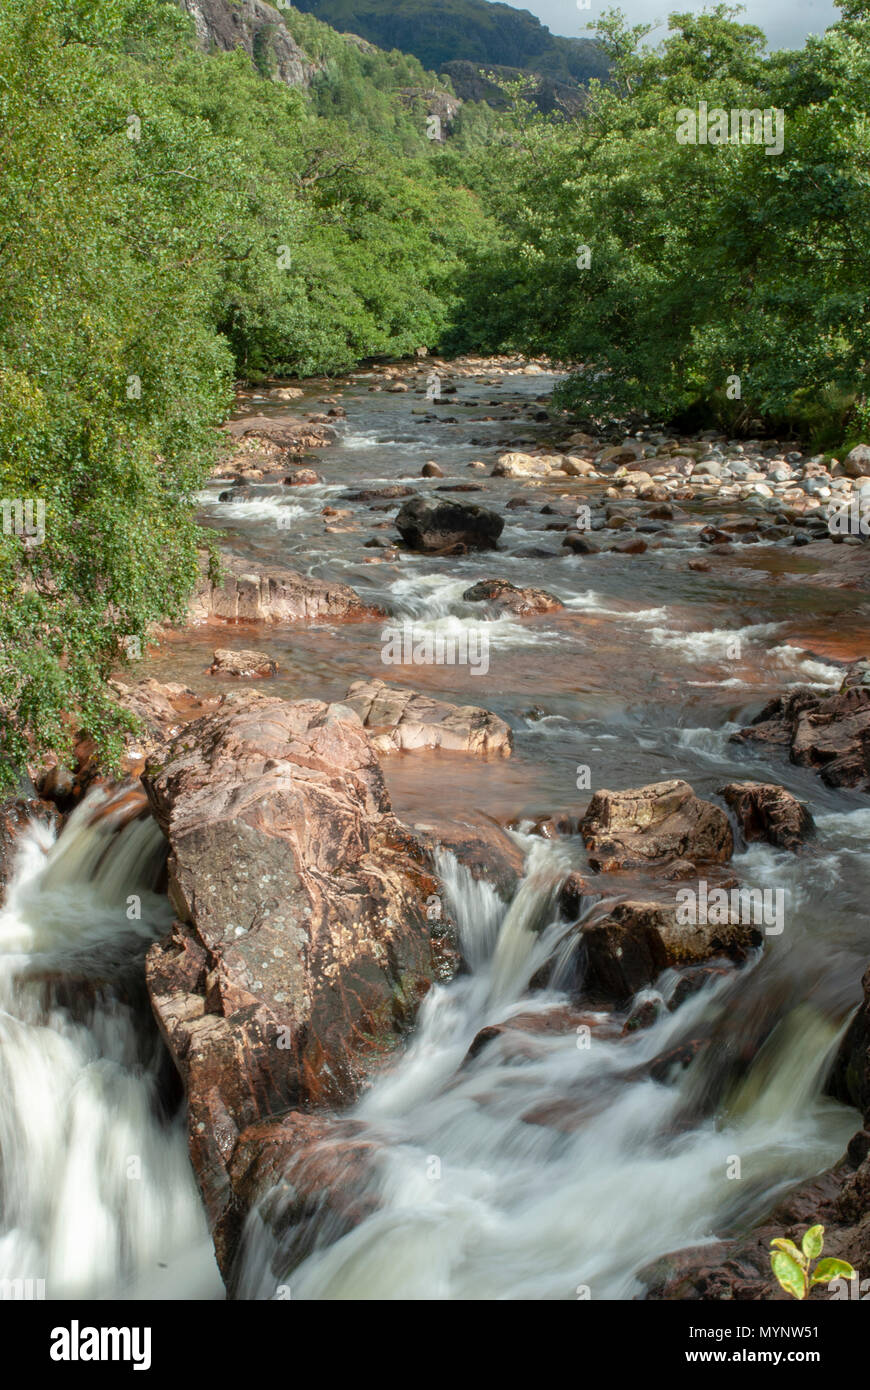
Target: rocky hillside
256, 27
439, 31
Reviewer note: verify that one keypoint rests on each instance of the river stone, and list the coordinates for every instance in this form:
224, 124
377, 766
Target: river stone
503, 595
526, 465
302, 945
829, 733
768, 812
439, 524
271, 594
405, 719
628, 950
652, 825
242, 663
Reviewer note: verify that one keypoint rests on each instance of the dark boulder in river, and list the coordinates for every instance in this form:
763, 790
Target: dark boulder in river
765, 811
439, 524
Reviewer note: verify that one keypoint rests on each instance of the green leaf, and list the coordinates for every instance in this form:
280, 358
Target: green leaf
826, 1270
813, 1241
789, 1273
790, 1249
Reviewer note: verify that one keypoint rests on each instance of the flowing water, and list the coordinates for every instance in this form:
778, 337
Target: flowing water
97, 1198
550, 1164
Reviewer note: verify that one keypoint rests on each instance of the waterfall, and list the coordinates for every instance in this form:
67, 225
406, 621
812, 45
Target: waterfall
551, 1165
97, 1197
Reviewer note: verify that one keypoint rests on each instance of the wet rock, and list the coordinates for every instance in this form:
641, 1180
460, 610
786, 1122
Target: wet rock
652, 825
303, 477
501, 594
431, 470
768, 812
298, 1171
483, 848
578, 543
271, 594
850, 1077
627, 950
241, 663
302, 947
632, 545
438, 524
405, 719
377, 494
571, 895
829, 733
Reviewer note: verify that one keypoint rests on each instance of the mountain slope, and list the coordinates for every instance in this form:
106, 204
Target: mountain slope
440, 31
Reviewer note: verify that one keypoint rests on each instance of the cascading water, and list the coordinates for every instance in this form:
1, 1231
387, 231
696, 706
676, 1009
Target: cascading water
551, 1165
97, 1197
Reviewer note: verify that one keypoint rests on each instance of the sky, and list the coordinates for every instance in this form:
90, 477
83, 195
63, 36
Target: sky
785, 22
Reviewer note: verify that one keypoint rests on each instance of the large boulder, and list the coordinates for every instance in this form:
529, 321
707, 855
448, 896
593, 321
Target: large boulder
508, 598
302, 946
271, 594
653, 825
407, 720
630, 947
442, 524
829, 733
765, 811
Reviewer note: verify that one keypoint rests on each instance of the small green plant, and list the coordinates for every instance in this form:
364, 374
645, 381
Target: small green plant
793, 1267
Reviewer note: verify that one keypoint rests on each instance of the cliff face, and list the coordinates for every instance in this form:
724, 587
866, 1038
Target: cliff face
257, 28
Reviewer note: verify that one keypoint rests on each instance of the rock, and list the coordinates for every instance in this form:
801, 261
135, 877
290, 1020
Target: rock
850, 1078
578, 543
768, 812
431, 470
377, 494
571, 895
298, 1170
857, 462
303, 477
16, 815
652, 825
628, 950
162, 709
526, 465
632, 545
302, 946
241, 663
577, 468
272, 594
483, 848
438, 524
829, 733
507, 597
404, 719
288, 433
